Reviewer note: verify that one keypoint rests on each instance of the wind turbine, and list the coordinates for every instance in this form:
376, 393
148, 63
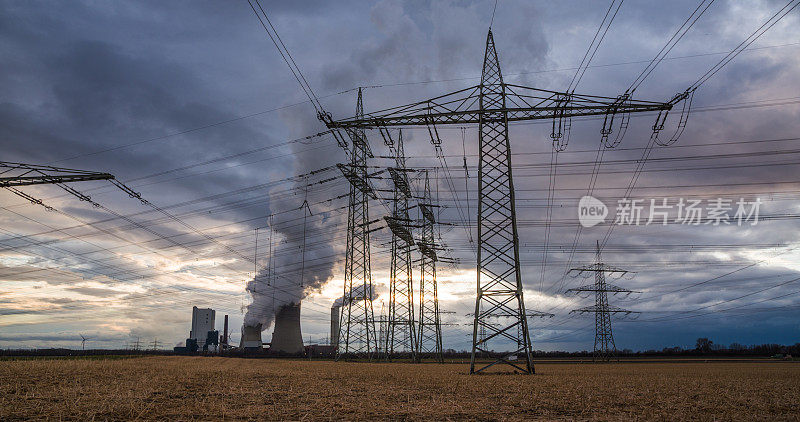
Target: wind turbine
83, 341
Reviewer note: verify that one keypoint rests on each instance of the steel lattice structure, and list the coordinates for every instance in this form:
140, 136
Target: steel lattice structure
604, 346
401, 334
357, 336
492, 105
430, 326
499, 278
20, 174
13, 175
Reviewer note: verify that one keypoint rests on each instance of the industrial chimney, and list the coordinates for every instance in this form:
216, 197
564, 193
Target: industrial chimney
225, 332
335, 325
287, 337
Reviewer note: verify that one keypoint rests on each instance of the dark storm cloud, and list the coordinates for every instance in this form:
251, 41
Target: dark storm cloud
98, 92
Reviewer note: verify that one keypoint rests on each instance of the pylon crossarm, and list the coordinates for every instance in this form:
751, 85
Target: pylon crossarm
594, 268
522, 103
427, 250
359, 181
427, 212
529, 314
21, 174
609, 288
359, 140
399, 229
539, 314
400, 181
609, 309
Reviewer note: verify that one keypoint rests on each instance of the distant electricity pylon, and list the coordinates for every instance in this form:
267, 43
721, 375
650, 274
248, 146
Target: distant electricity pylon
401, 332
492, 105
430, 324
357, 336
604, 347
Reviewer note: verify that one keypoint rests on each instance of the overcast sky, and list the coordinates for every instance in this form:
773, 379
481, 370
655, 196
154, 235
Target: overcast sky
190, 104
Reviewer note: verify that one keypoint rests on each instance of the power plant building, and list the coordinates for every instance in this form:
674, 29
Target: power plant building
202, 323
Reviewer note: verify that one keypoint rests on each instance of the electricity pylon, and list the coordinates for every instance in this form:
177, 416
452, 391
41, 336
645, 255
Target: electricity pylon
357, 336
401, 332
430, 326
492, 105
604, 347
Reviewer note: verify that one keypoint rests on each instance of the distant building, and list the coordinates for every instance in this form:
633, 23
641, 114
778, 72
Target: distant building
202, 323
320, 351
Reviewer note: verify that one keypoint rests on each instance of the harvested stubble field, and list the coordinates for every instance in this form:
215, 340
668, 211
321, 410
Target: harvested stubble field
180, 388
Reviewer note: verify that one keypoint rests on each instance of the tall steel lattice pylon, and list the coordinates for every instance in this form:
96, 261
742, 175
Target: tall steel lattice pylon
357, 336
499, 278
604, 347
492, 105
401, 335
430, 326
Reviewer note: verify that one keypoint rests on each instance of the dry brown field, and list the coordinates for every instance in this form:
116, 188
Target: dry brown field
205, 388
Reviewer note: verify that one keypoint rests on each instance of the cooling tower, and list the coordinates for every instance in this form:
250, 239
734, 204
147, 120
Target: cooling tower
287, 337
251, 337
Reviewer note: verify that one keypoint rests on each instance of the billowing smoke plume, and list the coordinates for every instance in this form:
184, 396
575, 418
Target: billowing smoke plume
291, 281
358, 293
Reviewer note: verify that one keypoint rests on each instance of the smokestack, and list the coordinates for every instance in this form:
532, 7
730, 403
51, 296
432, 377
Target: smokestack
225, 331
335, 326
287, 337
251, 337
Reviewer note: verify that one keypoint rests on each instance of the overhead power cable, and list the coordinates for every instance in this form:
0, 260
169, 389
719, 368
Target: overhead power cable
594, 45
780, 14
285, 54
673, 41
725, 60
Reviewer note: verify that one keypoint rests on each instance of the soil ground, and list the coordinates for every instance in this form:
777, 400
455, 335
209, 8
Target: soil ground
204, 388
